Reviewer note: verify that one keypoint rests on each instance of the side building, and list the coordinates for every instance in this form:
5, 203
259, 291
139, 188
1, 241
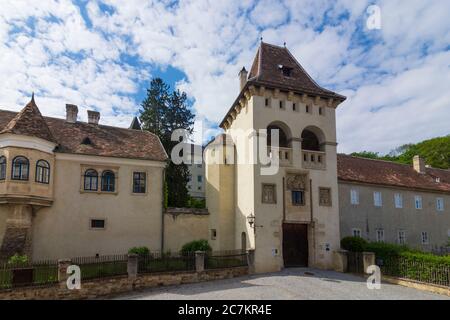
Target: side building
70, 188
395, 203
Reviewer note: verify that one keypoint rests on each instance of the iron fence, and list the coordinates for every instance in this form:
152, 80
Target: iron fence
422, 271
35, 273
162, 262
101, 266
225, 259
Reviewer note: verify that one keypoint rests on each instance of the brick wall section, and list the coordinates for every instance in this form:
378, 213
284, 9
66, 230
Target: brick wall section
111, 286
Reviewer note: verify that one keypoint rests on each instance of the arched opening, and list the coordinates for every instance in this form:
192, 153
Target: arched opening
244, 241
20, 168
108, 181
283, 135
2, 168
42, 172
91, 180
312, 139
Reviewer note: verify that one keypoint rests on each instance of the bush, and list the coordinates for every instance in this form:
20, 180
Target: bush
140, 251
18, 259
354, 244
197, 203
197, 245
386, 250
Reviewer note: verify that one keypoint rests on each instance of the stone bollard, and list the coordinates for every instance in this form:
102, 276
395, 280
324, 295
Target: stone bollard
199, 261
340, 260
63, 264
132, 265
368, 260
251, 261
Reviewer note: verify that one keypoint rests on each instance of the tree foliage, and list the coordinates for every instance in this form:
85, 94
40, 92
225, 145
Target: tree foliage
436, 153
164, 111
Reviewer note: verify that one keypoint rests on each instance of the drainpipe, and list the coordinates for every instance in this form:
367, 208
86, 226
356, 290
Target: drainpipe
163, 208
313, 228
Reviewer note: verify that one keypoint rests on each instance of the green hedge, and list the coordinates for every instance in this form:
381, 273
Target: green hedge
197, 245
353, 244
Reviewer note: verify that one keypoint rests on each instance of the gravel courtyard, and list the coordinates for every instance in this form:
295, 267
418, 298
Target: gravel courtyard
288, 284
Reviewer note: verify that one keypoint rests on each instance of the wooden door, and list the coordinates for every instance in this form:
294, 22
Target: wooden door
295, 245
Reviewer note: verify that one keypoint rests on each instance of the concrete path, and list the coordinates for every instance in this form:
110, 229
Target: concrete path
297, 283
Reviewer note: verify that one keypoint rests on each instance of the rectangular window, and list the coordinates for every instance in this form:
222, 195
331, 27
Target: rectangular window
377, 200
401, 237
298, 198
354, 196
97, 224
269, 193
418, 202
380, 235
398, 199
139, 182
213, 234
281, 105
440, 204
425, 238
200, 179
307, 109
321, 111
266, 102
294, 107
356, 232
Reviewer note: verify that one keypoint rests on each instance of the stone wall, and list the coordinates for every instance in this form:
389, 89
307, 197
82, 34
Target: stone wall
111, 286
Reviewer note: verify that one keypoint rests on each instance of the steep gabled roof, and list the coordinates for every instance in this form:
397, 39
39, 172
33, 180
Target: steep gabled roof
385, 173
266, 70
106, 141
29, 122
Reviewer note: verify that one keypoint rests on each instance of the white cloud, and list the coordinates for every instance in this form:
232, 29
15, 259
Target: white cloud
395, 78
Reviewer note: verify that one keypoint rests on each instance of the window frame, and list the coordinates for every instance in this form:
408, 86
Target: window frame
354, 197
104, 174
398, 196
85, 175
302, 203
140, 173
403, 237
380, 198
377, 235
356, 232
91, 227
272, 185
424, 240
3, 167
38, 175
440, 207
20, 169
418, 202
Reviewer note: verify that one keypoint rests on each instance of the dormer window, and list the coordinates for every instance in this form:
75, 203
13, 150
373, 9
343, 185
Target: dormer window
287, 71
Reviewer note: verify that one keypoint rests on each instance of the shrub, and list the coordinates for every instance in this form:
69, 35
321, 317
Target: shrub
196, 203
18, 259
140, 251
197, 245
385, 250
354, 244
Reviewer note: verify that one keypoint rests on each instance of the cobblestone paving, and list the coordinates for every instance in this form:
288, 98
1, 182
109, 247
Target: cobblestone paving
297, 283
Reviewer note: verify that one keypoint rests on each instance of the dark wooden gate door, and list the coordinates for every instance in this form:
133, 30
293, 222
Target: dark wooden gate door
295, 245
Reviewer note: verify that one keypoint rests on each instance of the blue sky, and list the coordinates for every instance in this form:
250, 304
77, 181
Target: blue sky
102, 54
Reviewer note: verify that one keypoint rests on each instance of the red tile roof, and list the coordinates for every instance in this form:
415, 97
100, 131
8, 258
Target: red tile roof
362, 170
106, 141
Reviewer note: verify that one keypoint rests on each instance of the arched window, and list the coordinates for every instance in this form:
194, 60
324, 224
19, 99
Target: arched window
20, 168
2, 168
90, 180
108, 181
310, 141
42, 171
283, 140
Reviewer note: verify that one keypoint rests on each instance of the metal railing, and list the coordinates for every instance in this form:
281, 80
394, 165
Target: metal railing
101, 266
36, 273
225, 259
422, 271
162, 262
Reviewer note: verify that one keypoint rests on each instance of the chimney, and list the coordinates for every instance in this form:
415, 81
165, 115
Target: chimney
243, 78
93, 117
71, 113
419, 164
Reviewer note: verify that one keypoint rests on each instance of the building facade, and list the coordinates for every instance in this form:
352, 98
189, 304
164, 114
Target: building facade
395, 203
289, 217
70, 188
196, 167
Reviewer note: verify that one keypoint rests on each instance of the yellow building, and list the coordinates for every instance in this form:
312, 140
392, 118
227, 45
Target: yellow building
291, 216
70, 188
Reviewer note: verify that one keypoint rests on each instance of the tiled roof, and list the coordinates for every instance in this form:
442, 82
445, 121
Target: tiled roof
266, 71
29, 122
355, 169
104, 140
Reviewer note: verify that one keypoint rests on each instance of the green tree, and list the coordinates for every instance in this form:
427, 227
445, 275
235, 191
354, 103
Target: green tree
163, 112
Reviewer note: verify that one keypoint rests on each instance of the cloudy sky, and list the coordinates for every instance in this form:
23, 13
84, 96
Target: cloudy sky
102, 54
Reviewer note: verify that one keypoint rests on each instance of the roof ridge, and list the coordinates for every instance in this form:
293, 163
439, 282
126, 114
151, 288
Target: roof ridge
379, 160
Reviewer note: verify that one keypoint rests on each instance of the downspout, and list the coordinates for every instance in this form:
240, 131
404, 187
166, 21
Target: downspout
313, 228
163, 208
284, 201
